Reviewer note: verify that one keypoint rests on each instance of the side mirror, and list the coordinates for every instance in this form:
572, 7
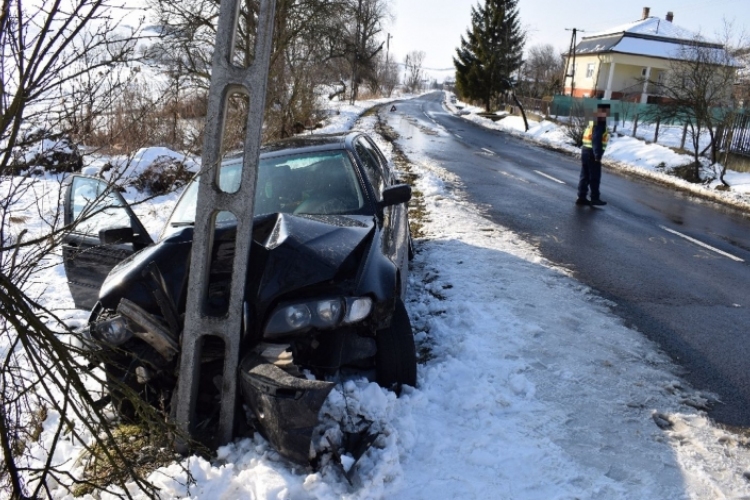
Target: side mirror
116, 235
395, 195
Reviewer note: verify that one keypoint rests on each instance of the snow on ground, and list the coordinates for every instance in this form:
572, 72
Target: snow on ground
344, 116
563, 396
530, 387
623, 152
124, 166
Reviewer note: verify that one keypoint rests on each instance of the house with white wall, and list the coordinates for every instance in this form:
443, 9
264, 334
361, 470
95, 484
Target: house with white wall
619, 63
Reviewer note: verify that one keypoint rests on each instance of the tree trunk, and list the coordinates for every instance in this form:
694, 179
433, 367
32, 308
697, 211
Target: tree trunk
684, 136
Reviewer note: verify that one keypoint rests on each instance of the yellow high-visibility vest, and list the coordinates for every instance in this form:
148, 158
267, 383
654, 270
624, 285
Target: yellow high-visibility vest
588, 136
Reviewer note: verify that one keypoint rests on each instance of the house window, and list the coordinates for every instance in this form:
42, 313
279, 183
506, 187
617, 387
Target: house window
590, 70
644, 72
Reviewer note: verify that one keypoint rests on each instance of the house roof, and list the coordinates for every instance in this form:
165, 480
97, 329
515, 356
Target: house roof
652, 37
651, 26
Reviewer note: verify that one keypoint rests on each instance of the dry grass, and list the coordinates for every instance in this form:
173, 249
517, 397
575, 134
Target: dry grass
417, 209
144, 452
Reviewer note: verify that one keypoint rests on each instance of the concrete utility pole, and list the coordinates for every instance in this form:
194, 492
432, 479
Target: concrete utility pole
571, 54
389, 78
226, 78
387, 48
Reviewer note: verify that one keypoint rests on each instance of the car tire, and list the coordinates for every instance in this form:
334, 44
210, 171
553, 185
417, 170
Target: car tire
396, 356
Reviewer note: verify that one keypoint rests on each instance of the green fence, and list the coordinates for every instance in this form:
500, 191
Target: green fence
563, 106
567, 106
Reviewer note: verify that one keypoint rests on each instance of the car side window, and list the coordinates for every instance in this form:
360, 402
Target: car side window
371, 164
381, 159
94, 208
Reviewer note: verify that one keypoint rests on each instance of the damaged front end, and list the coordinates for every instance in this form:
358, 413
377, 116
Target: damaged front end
312, 308
285, 407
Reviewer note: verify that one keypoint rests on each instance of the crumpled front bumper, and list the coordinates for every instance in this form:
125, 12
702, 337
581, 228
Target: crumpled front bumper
286, 407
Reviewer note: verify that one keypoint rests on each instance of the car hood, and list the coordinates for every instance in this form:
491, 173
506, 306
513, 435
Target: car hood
290, 255
305, 251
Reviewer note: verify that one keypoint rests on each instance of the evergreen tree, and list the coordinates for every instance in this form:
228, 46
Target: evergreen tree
491, 51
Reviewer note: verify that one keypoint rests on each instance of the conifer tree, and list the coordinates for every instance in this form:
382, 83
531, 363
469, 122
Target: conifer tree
491, 51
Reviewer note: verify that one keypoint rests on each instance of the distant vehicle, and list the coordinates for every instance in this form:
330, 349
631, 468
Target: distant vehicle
325, 288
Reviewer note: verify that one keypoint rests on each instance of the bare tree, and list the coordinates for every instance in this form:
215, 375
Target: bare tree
576, 125
742, 88
362, 45
414, 72
698, 92
629, 104
540, 73
384, 76
390, 77
62, 65
315, 42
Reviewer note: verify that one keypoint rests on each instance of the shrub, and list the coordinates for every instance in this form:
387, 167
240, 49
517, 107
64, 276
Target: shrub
47, 152
163, 176
576, 126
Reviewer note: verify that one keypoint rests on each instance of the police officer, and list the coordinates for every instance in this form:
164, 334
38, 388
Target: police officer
595, 139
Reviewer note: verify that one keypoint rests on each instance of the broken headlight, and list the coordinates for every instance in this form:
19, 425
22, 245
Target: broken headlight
320, 314
113, 330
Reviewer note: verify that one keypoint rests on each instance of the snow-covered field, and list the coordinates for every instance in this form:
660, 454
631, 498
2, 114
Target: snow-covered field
529, 387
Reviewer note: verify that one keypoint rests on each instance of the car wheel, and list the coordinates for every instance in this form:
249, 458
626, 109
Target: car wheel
396, 357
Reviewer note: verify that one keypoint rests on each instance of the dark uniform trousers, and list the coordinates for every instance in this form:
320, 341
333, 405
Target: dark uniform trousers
591, 174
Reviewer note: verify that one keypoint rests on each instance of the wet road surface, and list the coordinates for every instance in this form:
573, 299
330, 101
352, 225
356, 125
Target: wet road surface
677, 268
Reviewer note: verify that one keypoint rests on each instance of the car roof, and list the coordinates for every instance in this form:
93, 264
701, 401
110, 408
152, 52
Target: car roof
301, 144
309, 143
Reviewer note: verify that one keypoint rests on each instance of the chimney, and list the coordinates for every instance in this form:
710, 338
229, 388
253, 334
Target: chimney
670, 16
646, 12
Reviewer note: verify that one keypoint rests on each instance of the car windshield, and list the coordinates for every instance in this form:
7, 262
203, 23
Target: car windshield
318, 183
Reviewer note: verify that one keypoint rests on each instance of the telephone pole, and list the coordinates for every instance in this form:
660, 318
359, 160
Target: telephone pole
571, 55
387, 47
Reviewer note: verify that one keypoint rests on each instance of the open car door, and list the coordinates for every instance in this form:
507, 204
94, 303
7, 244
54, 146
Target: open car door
103, 230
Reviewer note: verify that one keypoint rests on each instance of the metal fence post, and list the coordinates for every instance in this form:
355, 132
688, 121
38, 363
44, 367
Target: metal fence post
225, 79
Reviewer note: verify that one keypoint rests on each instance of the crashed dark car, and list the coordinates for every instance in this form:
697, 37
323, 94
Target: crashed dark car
324, 290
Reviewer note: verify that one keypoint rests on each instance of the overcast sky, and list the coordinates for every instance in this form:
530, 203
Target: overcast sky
436, 26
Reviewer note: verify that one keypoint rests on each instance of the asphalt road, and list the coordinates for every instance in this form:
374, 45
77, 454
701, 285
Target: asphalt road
677, 268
